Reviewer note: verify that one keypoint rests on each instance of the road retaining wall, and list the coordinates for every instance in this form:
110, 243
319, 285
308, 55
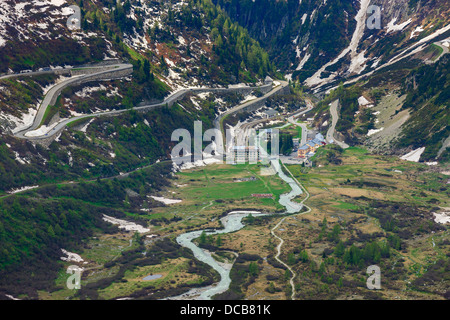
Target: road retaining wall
109, 75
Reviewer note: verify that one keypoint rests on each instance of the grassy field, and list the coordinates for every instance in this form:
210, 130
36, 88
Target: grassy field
375, 177
99, 250
207, 192
342, 194
173, 272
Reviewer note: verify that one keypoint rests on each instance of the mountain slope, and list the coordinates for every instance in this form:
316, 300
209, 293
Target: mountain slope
320, 42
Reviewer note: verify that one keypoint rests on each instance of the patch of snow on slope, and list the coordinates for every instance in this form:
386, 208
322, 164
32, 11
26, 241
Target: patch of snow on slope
362, 101
413, 155
442, 218
165, 200
304, 60
373, 131
304, 18
357, 64
86, 91
391, 26
22, 189
86, 126
352, 47
127, 225
417, 30
71, 256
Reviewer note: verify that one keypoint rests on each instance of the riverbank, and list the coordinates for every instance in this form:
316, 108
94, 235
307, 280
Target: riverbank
232, 222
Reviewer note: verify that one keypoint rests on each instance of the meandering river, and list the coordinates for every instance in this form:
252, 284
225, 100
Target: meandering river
232, 222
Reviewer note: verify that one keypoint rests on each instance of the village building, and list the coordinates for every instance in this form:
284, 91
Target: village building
268, 80
302, 151
270, 113
310, 147
244, 154
308, 163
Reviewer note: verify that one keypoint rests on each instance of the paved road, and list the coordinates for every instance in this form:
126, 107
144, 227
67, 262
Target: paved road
335, 117
241, 134
175, 96
444, 50
291, 119
58, 71
54, 91
29, 74
244, 129
282, 85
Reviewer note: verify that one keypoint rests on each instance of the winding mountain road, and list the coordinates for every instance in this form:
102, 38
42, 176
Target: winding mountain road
291, 119
335, 117
244, 129
237, 108
31, 132
24, 133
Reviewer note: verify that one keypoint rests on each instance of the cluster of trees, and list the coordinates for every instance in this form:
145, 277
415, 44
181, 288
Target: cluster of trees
113, 192
428, 98
402, 220
369, 253
32, 233
330, 154
432, 279
235, 52
19, 94
275, 24
124, 23
286, 143
14, 174
348, 104
62, 51
245, 270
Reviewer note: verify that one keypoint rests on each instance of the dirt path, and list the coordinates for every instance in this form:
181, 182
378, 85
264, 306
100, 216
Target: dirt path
272, 231
335, 118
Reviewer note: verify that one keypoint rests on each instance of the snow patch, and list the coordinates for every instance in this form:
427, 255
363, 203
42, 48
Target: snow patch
127, 225
304, 60
22, 189
165, 200
413, 155
86, 126
417, 30
363, 101
373, 131
71, 256
304, 17
391, 26
442, 218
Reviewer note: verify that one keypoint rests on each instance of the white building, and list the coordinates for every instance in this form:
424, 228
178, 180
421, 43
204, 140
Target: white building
244, 154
